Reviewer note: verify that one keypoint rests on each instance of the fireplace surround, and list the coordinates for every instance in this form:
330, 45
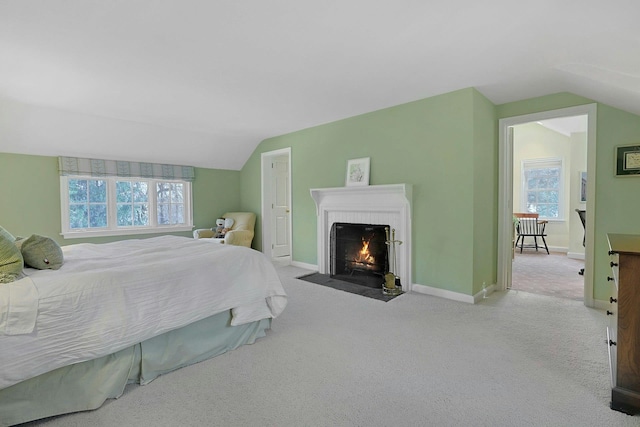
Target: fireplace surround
373, 204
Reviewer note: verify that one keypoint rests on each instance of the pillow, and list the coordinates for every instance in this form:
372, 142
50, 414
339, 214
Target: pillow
41, 253
228, 223
11, 261
6, 234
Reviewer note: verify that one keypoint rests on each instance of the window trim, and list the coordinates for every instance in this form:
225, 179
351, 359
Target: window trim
114, 230
537, 164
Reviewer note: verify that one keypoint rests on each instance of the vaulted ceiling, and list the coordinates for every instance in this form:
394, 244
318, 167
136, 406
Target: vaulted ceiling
237, 72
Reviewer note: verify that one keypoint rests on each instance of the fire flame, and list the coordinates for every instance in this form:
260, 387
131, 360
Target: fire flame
364, 256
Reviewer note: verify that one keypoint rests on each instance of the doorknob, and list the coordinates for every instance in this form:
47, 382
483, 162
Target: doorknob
287, 211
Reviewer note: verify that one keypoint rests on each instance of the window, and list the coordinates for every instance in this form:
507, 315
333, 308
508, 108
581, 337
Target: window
112, 205
542, 187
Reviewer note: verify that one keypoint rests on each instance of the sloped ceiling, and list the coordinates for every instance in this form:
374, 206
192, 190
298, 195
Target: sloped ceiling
228, 74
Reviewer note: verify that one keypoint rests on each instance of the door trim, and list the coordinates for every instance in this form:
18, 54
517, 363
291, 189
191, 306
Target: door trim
505, 191
265, 183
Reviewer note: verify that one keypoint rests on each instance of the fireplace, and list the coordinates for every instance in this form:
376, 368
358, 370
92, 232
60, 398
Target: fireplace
359, 253
370, 204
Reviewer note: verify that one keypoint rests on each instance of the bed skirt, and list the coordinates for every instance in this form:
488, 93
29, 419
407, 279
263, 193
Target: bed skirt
87, 385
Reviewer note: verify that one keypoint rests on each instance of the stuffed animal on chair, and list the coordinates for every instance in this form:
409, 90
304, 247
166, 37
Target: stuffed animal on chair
219, 228
223, 225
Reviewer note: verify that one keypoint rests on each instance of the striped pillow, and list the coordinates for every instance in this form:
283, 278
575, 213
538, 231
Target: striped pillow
11, 261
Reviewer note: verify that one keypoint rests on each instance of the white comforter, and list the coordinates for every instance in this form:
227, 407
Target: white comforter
109, 296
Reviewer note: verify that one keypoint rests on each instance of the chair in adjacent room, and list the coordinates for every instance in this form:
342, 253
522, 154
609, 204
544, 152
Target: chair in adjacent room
529, 225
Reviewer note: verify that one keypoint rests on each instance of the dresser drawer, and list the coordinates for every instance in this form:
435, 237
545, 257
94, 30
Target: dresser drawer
614, 261
611, 337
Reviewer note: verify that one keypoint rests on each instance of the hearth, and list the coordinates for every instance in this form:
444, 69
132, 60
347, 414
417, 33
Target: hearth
359, 253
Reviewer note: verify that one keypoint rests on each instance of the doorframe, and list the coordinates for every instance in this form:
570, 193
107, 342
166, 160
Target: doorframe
265, 183
505, 191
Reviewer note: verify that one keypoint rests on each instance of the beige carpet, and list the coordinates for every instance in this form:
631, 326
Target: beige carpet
553, 275
339, 359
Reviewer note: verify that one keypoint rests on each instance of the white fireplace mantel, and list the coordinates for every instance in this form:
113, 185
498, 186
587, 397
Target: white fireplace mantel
372, 204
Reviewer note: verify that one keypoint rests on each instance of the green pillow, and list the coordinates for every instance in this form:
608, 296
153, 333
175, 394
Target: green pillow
6, 234
11, 261
41, 252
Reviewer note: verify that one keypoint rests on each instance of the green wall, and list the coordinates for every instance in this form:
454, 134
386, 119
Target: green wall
445, 146
485, 194
30, 199
617, 200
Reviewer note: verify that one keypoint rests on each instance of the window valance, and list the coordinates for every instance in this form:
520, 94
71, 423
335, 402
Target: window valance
73, 166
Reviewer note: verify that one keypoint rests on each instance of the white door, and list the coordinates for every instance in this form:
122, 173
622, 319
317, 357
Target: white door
280, 207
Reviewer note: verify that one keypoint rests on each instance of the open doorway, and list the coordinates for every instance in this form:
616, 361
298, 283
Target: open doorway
276, 205
506, 192
549, 181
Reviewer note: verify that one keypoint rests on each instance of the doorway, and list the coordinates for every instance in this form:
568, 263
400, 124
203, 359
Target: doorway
549, 164
276, 204
506, 178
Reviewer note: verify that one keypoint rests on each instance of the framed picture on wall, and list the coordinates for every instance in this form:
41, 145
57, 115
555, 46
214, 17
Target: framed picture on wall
583, 187
628, 160
358, 171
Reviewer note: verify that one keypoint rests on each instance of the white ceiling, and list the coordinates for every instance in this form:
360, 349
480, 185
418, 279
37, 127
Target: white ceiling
566, 125
236, 72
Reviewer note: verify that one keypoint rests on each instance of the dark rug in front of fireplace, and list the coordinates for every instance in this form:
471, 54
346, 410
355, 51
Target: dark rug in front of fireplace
365, 291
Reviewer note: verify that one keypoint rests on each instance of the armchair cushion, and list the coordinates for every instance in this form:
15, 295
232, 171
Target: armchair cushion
203, 233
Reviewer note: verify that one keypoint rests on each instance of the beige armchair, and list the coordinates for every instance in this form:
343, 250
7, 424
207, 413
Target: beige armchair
240, 234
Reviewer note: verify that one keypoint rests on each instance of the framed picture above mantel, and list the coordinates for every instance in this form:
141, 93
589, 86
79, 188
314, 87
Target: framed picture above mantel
358, 171
628, 160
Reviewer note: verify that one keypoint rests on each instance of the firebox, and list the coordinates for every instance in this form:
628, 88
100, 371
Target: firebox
359, 253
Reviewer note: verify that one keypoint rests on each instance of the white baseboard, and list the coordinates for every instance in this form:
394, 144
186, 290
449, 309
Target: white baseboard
601, 305
444, 293
304, 265
575, 255
481, 295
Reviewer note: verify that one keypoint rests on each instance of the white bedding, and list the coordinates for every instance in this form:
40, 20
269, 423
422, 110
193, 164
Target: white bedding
109, 296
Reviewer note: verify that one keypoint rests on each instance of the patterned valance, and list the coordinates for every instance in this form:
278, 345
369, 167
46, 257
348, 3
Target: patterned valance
73, 166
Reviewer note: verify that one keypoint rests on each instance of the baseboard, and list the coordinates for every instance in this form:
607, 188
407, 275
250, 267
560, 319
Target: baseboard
557, 249
601, 305
575, 255
304, 265
481, 295
444, 293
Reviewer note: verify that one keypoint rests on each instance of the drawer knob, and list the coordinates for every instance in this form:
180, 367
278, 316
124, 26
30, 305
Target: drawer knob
609, 278
614, 264
612, 343
609, 313
612, 252
612, 300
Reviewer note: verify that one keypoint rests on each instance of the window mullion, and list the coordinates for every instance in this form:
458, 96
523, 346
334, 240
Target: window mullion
153, 201
111, 204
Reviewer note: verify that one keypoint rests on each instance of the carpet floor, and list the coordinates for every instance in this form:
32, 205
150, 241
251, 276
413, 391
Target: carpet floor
337, 359
553, 275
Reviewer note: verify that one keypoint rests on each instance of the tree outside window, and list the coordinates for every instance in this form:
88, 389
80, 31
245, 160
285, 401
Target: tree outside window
542, 187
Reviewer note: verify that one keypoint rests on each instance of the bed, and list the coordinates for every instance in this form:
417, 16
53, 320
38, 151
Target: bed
125, 312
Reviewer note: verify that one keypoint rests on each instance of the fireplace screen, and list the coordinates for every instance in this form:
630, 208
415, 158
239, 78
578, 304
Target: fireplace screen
359, 253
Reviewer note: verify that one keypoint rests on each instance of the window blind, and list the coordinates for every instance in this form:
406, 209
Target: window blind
75, 166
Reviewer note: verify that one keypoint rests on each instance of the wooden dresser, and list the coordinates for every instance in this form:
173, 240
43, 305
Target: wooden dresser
623, 332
